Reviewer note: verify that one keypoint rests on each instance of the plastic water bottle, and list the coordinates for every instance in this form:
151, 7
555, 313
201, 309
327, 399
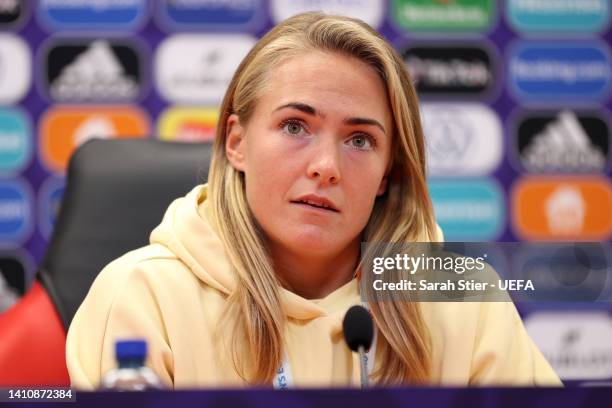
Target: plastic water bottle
131, 374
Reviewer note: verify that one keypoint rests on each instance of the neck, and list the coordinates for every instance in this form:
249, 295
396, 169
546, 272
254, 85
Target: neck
314, 277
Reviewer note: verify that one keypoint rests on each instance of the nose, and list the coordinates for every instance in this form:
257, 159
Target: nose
325, 163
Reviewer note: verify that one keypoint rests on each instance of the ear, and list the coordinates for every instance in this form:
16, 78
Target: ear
234, 142
383, 185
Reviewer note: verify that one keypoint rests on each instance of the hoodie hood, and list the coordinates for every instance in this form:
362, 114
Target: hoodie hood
186, 230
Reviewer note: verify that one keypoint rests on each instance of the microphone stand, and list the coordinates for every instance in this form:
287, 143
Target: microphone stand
363, 368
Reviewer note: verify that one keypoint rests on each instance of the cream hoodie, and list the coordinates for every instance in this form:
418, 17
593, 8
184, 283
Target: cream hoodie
172, 293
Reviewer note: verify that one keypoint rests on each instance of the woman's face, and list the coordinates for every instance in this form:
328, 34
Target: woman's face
315, 152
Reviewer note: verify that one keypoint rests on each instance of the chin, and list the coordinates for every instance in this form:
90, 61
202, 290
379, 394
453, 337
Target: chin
313, 243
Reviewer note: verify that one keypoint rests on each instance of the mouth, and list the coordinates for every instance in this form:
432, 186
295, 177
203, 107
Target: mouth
316, 202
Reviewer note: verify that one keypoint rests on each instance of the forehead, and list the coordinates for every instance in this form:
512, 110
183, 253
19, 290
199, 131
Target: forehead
333, 83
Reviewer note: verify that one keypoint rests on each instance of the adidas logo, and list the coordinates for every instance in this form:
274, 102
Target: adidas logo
96, 74
563, 146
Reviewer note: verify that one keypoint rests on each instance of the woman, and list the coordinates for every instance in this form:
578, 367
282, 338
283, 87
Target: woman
319, 147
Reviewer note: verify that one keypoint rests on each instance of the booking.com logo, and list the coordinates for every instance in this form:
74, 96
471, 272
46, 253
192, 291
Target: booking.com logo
99, 14
245, 15
550, 71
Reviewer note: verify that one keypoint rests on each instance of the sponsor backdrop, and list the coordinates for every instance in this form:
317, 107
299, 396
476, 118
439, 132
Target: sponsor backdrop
515, 102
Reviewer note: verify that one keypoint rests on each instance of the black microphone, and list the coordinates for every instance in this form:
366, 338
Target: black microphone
358, 331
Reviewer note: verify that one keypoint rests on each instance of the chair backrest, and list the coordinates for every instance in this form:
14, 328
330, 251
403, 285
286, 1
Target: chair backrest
116, 193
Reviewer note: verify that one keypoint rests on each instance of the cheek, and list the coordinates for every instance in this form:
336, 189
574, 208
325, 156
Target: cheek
362, 187
268, 170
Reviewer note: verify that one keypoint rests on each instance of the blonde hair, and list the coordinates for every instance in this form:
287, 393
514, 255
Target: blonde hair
403, 214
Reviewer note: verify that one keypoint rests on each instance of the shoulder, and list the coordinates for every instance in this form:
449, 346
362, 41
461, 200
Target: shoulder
142, 272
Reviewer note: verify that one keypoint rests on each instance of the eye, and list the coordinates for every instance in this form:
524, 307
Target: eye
292, 127
361, 141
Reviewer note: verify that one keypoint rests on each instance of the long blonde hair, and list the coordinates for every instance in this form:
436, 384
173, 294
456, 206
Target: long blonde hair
403, 214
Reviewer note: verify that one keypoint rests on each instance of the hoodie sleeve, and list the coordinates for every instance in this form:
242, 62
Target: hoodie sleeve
119, 305
504, 354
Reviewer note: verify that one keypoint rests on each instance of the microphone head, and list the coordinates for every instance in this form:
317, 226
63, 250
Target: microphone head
358, 328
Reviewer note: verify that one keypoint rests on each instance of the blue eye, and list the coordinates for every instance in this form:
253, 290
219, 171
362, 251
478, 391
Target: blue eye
361, 141
292, 127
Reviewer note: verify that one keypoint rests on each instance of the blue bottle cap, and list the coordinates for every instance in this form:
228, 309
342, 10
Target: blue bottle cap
131, 350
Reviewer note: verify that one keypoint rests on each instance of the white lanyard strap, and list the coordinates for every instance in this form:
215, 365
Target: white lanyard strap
283, 377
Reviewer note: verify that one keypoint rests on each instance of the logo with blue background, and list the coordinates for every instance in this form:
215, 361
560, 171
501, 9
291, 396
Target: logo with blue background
49, 201
227, 15
468, 210
580, 16
546, 71
93, 15
15, 141
15, 212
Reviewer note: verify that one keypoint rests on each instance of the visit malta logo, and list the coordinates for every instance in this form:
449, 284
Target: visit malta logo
64, 128
563, 209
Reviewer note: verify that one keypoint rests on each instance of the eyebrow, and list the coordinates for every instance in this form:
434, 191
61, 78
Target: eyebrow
312, 111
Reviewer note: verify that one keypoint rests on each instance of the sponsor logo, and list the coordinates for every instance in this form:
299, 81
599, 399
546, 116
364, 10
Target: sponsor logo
50, 198
432, 15
15, 212
468, 210
15, 140
197, 68
554, 71
572, 272
558, 15
15, 68
370, 11
96, 71
563, 210
96, 15
456, 134
188, 124
459, 70
10, 11
564, 142
214, 14
577, 345
63, 129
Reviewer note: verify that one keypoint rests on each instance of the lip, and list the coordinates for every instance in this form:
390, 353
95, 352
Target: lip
317, 202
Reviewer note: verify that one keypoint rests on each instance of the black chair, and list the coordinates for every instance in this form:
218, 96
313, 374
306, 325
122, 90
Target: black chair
116, 194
